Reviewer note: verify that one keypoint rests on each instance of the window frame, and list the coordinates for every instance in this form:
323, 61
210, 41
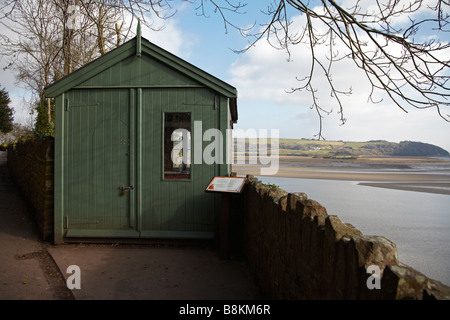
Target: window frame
163, 175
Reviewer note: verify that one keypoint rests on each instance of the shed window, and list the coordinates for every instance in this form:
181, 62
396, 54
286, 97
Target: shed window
177, 145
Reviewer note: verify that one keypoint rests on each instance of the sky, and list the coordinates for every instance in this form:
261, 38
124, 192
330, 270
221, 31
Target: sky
263, 75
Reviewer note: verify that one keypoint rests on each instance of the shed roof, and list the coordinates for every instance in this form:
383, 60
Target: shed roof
140, 46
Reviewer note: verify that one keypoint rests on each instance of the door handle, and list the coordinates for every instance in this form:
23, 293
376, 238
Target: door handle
124, 188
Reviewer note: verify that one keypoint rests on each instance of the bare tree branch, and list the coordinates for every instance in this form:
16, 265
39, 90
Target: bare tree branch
411, 72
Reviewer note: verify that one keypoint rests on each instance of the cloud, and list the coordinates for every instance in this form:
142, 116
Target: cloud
171, 37
263, 75
8, 79
167, 33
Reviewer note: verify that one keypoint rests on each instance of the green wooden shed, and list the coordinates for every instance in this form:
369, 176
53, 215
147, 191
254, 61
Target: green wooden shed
118, 122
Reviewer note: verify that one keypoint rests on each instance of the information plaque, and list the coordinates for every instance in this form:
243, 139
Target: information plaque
226, 184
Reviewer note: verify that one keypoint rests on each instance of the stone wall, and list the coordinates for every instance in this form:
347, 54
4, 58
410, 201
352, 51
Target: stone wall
298, 251
30, 162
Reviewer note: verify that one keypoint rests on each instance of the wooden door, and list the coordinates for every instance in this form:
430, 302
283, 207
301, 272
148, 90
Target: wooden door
99, 192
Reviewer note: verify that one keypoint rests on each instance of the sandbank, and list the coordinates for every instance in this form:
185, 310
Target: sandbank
375, 173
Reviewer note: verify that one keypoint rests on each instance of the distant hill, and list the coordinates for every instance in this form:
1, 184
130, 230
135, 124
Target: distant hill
343, 149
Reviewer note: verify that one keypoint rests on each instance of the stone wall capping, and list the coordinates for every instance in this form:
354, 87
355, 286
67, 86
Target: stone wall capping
374, 250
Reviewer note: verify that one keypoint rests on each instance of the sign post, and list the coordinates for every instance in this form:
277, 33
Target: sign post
225, 186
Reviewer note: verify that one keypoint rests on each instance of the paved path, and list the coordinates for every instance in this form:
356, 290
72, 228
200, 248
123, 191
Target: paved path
22, 271
32, 269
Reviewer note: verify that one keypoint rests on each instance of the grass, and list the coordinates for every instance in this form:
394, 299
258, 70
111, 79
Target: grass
327, 149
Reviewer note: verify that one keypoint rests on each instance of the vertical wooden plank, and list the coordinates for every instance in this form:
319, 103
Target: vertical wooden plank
147, 168
132, 150
186, 187
189, 194
65, 156
223, 168
200, 176
69, 183
223, 122
143, 149
125, 134
172, 203
95, 206
77, 156
215, 170
155, 161
208, 114
142, 126
180, 210
119, 167
115, 172
107, 143
77, 163
121, 133
214, 210
165, 186
146, 77
114, 146
59, 161
93, 202
149, 165
125, 153
197, 168
139, 156
98, 137
136, 69
120, 160
86, 186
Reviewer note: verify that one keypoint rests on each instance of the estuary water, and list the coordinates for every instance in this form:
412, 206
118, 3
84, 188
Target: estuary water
417, 222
